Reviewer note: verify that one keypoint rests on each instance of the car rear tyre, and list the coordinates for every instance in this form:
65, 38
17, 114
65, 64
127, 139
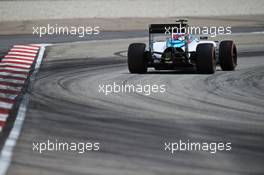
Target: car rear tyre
227, 55
137, 62
205, 62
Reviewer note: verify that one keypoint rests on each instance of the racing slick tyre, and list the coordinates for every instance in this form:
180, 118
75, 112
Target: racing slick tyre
137, 63
205, 60
227, 55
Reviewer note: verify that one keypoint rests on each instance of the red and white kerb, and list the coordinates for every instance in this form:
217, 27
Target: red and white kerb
14, 70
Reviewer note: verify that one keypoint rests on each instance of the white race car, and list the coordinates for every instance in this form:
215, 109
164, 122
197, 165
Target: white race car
170, 51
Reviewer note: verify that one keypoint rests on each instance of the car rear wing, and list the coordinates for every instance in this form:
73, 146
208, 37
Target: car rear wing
180, 26
167, 28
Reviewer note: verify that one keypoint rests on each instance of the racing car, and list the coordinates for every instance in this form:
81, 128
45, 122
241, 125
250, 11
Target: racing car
169, 50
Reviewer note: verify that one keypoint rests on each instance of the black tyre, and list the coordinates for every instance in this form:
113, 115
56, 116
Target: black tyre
137, 63
227, 55
205, 60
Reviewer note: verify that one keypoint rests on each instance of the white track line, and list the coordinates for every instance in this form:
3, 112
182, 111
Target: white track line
7, 151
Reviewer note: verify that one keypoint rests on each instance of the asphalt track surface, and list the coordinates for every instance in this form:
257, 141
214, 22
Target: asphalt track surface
65, 104
9, 40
